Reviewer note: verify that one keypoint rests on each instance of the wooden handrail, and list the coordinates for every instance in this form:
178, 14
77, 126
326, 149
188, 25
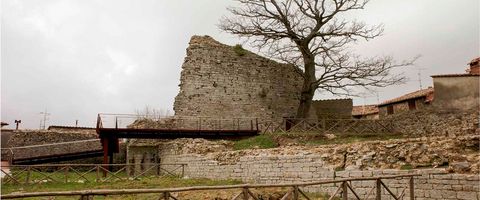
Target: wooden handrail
88, 165
194, 188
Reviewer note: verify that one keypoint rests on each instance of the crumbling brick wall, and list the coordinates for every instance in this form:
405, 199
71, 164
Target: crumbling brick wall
216, 81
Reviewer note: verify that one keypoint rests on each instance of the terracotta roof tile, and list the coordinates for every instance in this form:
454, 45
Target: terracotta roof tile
413, 95
69, 127
454, 75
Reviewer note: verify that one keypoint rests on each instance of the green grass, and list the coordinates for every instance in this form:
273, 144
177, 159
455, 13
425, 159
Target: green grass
147, 182
259, 142
406, 167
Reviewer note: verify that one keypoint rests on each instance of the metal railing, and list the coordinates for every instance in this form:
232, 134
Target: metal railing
65, 173
190, 123
295, 192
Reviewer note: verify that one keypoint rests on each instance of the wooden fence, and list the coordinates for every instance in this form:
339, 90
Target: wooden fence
332, 126
295, 192
64, 173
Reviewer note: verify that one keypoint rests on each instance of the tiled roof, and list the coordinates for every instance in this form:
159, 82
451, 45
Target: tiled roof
69, 127
474, 61
428, 93
364, 110
454, 75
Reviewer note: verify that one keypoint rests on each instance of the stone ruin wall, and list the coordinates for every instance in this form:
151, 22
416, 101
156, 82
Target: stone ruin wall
39, 137
434, 122
332, 108
437, 155
217, 82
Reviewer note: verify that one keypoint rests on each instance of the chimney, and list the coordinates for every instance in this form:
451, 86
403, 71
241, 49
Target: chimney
474, 66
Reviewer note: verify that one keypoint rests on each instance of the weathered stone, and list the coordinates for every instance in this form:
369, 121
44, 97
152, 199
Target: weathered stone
460, 166
217, 82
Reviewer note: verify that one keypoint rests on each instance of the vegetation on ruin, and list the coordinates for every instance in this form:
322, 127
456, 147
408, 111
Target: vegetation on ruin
273, 140
239, 50
257, 142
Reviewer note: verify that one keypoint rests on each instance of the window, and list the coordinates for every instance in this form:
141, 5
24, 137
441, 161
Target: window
390, 109
411, 105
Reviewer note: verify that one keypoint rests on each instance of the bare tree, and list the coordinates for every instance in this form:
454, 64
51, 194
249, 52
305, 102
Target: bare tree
314, 36
152, 113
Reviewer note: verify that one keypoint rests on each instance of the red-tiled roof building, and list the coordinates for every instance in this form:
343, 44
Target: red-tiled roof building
452, 92
411, 101
365, 112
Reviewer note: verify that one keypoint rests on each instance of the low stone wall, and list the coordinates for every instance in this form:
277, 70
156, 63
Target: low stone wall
36, 137
215, 160
434, 122
433, 184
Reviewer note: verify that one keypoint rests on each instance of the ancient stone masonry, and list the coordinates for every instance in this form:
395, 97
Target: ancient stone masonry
35, 137
432, 122
459, 155
218, 82
332, 108
440, 155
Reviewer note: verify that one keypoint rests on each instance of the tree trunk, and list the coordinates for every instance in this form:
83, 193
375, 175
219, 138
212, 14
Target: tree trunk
308, 88
305, 101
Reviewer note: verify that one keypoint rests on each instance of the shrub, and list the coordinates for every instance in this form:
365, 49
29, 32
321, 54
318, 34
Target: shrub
239, 50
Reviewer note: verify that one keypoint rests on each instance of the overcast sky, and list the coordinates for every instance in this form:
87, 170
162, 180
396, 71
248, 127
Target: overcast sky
77, 58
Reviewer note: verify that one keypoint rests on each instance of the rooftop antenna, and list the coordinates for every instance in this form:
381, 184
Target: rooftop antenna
419, 74
17, 122
45, 115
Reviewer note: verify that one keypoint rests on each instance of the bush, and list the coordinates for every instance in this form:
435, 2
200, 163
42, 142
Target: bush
239, 50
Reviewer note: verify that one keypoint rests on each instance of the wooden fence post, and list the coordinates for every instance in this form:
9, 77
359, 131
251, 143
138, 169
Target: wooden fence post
344, 190
183, 170
245, 193
66, 174
379, 190
324, 124
29, 171
166, 195
98, 174
412, 192
295, 193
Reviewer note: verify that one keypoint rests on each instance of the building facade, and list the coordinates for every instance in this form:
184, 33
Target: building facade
458, 91
408, 102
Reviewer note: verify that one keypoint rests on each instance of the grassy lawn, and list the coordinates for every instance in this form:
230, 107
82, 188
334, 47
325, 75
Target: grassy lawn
258, 142
152, 182
148, 182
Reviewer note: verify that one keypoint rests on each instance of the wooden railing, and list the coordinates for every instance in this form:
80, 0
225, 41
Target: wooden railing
295, 192
117, 121
64, 173
333, 126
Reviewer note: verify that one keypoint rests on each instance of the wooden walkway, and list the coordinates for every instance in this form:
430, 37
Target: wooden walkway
109, 129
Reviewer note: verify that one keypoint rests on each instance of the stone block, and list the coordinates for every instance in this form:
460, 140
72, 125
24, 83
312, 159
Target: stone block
467, 195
